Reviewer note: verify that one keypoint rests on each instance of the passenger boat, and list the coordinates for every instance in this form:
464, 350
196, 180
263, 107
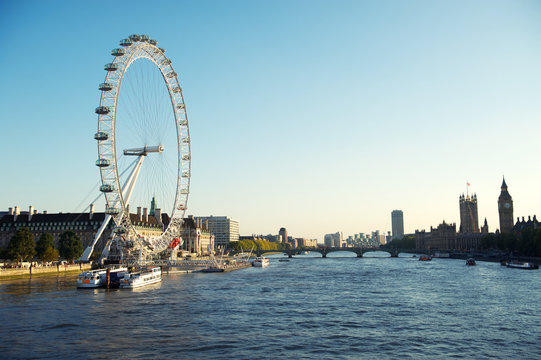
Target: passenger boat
470, 262
524, 266
441, 255
260, 262
142, 277
98, 278
425, 258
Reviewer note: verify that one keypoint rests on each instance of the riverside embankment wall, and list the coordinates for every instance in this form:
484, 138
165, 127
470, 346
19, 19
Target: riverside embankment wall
35, 270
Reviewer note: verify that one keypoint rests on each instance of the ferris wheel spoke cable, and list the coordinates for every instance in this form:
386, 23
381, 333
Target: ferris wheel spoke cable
79, 208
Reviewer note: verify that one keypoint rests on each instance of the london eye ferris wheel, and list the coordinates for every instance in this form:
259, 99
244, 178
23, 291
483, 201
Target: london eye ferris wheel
143, 145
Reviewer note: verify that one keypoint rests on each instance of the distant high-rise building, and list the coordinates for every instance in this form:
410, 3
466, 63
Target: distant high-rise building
283, 234
334, 240
505, 209
224, 229
397, 220
469, 221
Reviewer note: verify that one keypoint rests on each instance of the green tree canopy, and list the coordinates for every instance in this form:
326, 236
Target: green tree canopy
50, 254
249, 244
70, 246
21, 246
527, 242
45, 242
407, 242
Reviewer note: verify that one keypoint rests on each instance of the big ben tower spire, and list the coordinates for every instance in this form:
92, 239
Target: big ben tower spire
505, 209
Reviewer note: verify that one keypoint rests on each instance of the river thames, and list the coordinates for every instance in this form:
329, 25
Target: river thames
307, 308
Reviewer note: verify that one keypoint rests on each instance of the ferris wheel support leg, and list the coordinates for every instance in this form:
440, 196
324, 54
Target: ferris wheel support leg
127, 190
88, 251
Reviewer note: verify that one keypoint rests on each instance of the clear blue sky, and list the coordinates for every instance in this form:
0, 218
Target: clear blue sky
320, 116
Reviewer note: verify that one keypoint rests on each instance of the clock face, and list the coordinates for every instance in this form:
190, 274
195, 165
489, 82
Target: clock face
507, 205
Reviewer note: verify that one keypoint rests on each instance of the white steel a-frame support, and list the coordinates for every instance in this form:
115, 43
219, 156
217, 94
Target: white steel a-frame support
127, 191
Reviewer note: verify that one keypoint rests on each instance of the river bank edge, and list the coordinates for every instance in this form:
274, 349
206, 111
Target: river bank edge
11, 274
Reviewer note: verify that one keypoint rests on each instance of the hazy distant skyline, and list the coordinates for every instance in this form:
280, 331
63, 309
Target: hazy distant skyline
317, 116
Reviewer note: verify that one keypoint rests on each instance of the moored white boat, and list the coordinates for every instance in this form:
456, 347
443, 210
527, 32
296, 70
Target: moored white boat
92, 278
260, 262
142, 277
98, 278
524, 266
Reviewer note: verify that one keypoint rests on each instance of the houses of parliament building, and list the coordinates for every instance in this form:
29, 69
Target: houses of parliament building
446, 237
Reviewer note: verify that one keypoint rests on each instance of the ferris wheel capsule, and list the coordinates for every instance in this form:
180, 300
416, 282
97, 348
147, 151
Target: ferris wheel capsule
103, 110
126, 42
101, 135
111, 67
107, 188
112, 211
118, 52
105, 87
103, 162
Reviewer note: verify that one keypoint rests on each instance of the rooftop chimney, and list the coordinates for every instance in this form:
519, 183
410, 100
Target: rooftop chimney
30, 212
10, 211
35, 212
145, 215
45, 212
139, 214
91, 213
16, 213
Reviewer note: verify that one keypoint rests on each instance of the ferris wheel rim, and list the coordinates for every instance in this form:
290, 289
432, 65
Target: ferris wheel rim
132, 50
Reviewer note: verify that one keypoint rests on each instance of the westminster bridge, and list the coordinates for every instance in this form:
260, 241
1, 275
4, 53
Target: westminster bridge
359, 251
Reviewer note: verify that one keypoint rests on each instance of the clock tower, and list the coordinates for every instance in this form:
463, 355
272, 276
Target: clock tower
505, 209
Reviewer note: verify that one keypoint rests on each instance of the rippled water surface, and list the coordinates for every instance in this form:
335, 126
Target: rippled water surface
307, 308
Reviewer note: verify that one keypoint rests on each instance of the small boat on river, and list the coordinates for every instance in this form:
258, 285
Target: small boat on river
98, 278
425, 258
470, 262
441, 255
523, 266
260, 261
141, 277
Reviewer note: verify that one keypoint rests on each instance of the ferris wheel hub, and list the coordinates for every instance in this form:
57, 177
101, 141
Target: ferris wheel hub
144, 150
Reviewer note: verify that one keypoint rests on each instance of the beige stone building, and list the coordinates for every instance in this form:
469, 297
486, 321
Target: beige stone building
197, 238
